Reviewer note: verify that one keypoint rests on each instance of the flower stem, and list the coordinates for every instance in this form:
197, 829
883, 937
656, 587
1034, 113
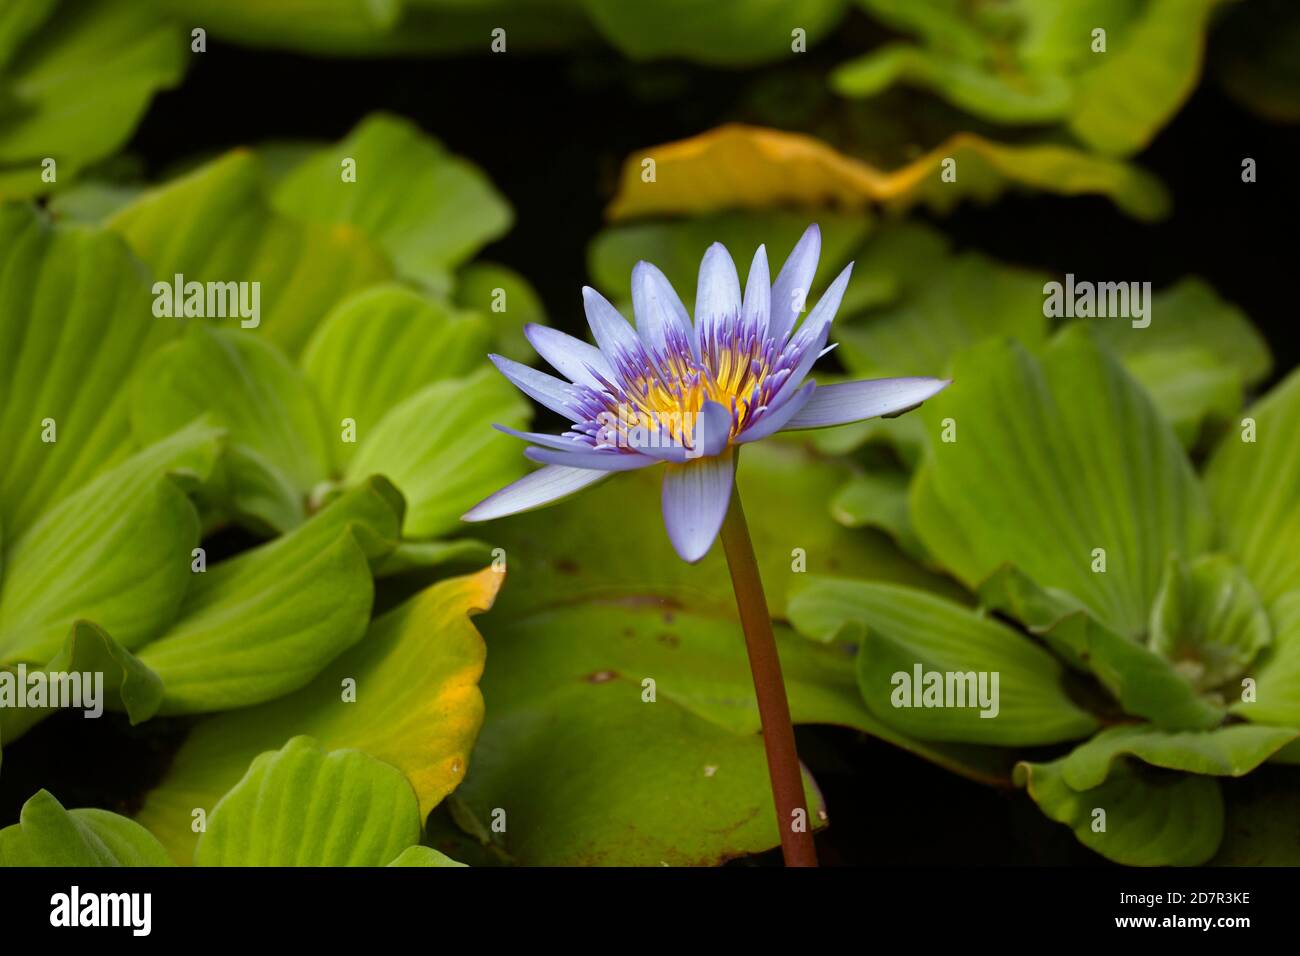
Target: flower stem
773, 708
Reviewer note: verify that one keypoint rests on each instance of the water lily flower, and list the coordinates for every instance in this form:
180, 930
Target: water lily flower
687, 396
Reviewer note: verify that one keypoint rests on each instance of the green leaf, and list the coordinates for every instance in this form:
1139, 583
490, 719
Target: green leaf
1190, 315
299, 806
417, 707
1144, 683
1193, 357
756, 31
388, 27
429, 210
1043, 99
48, 835
1232, 751
382, 345
590, 775
137, 690
964, 300
592, 612
244, 385
440, 448
423, 856
117, 552
1277, 671
74, 87
1054, 459
1254, 484
264, 623
215, 225
1208, 621
19, 20
879, 499
1190, 386
1036, 63
907, 630
1149, 70
74, 321
507, 300
1152, 818
247, 489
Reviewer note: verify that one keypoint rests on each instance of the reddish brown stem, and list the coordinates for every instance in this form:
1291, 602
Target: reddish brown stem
773, 708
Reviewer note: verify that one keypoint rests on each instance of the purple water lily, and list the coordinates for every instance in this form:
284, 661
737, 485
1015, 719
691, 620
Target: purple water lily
669, 393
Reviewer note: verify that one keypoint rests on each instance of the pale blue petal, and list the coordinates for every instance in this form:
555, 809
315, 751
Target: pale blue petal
793, 285
712, 430
757, 305
853, 401
572, 358
550, 441
717, 298
807, 343
556, 394
662, 320
610, 460
695, 499
533, 491
616, 338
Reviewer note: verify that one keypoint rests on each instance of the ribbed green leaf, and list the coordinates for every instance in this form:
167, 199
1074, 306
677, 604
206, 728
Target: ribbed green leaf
215, 225
429, 210
756, 30
48, 835
75, 318
440, 448
417, 706
1035, 63
1232, 751
1059, 464
74, 85
507, 301
299, 806
1277, 671
132, 686
907, 629
381, 346
266, 622
1208, 621
1151, 818
246, 386
423, 856
117, 552
1144, 683
1254, 483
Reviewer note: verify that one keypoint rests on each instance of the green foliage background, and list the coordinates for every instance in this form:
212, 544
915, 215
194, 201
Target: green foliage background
294, 607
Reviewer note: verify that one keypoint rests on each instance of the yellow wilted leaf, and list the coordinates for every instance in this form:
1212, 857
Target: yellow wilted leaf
417, 706
751, 167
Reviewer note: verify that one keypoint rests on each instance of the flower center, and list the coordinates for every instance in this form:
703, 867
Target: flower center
669, 392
